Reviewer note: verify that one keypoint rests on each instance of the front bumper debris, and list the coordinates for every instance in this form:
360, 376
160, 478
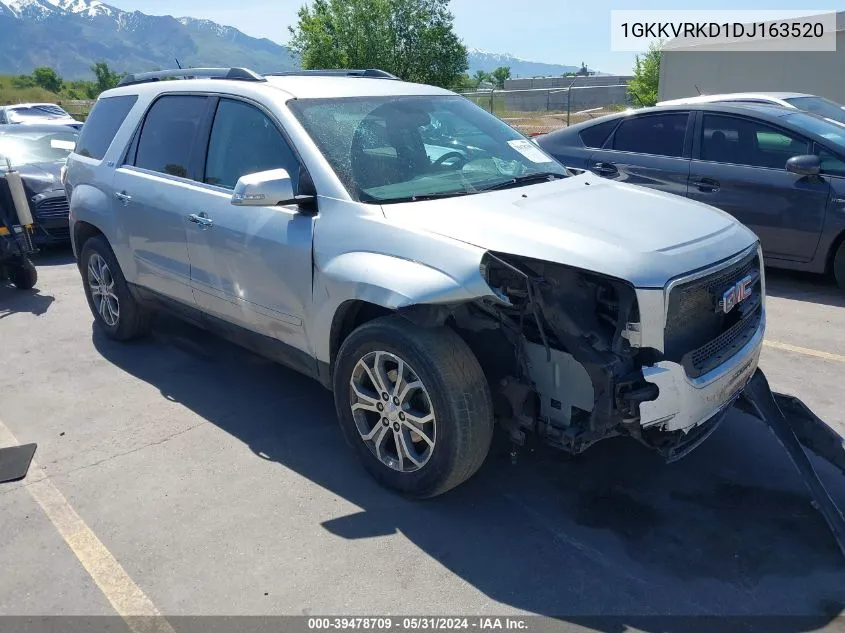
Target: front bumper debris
685, 403
795, 426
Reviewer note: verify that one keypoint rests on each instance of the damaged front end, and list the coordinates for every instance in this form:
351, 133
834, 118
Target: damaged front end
571, 371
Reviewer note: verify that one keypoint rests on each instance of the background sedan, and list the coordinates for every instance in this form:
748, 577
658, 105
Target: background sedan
779, 171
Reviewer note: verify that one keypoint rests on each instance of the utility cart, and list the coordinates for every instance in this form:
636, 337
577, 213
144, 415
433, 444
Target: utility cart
16, 245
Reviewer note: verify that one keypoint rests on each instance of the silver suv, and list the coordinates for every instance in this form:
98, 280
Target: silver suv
420, 258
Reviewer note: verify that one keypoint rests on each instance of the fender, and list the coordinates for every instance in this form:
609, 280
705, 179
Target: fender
387, 281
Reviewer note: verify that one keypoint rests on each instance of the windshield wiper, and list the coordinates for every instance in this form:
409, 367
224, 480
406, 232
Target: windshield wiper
422, 196
524, 180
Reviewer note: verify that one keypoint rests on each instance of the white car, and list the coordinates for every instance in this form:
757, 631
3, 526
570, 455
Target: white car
813, 104
24, 113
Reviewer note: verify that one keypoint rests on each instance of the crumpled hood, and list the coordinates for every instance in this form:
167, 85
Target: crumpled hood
628, 232
40, 177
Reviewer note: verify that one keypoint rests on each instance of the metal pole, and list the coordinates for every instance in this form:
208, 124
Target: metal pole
569, 99
492, 90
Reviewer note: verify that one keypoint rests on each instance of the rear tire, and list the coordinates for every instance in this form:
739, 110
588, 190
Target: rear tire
115, 310
451, 406
24, 275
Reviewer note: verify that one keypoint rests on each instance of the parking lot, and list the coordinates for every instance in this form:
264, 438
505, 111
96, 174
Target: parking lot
219, 484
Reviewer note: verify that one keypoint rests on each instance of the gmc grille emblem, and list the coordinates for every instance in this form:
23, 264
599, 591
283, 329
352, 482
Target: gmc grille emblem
737, 293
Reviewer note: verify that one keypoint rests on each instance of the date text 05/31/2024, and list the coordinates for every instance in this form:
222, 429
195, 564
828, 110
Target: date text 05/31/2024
479, 623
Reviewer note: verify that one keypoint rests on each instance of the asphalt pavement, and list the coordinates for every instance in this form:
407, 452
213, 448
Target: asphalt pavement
182, 475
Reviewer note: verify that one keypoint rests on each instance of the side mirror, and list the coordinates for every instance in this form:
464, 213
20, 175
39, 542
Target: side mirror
804, 165
264, 189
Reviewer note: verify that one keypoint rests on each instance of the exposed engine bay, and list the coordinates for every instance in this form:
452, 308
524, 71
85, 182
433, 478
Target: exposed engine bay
556, 347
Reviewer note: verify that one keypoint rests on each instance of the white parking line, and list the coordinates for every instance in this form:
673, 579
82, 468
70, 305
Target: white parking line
804, 350
119, 589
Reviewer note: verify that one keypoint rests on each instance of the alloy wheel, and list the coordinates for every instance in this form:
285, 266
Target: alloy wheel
102, 286
392, 411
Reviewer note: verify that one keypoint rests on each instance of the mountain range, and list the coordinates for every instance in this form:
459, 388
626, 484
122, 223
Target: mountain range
70, 35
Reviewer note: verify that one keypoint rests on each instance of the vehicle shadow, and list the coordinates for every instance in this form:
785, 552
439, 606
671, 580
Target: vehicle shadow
800, 286
727, 531
14, 301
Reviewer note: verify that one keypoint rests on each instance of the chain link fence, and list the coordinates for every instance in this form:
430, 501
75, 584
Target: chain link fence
540, 110
77, 108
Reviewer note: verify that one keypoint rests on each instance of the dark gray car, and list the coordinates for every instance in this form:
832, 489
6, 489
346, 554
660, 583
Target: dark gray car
779, 171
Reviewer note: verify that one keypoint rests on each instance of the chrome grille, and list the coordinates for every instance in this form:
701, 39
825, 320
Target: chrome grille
52, 209
698, 334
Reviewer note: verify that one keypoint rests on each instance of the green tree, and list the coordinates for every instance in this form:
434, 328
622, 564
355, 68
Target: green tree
23, 81
47, 78
413, 39
480, 77
464, 83
499, 75
106, 78
643, 87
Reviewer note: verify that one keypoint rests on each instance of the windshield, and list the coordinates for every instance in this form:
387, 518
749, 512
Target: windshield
399, 148
819, 105
832, 132
26, 146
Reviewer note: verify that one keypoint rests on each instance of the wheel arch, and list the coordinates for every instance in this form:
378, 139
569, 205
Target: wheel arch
359, 287
82, 232
830, 256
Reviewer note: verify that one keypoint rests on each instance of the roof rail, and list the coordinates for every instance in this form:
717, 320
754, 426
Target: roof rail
241, 74
371, 73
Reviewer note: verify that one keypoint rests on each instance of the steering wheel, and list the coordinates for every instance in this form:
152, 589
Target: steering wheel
450, 156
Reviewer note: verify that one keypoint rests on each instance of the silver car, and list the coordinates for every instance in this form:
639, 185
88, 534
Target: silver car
432, 267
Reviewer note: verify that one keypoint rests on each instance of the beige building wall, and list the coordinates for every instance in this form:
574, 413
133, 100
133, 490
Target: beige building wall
820, 73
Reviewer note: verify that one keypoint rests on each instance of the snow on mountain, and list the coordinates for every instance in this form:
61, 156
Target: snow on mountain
208, 25
29, 9
484, 60
89, 8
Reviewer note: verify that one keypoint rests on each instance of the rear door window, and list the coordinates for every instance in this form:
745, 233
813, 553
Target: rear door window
658, 135
169, 135
106, 117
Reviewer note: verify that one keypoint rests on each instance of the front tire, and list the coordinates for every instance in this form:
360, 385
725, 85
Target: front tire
115, 310
839, 266
414, 404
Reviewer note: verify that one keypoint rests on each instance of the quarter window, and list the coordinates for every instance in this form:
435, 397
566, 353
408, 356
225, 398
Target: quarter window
245, 141
660, 135
106, 117
596, 135
745, 142
169, 136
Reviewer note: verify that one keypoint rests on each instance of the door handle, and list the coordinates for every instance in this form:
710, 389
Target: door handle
605, 169
706, 184
122, 197
202, 219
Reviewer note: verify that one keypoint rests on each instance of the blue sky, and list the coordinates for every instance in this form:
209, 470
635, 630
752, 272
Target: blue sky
557, 31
